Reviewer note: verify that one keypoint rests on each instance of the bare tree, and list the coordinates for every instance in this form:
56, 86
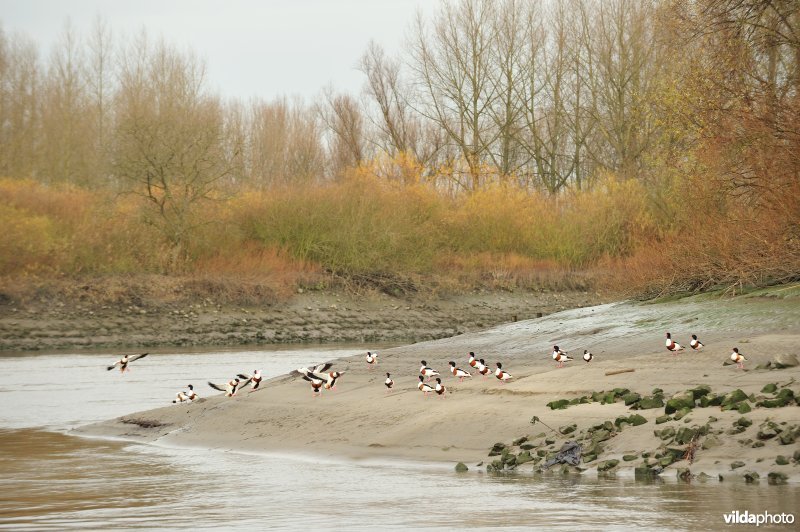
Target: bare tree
343, 119
169, 139
452, 66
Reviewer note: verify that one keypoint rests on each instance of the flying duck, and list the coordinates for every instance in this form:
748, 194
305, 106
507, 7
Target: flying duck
737, 357
500, 374
424, 387
459, 373
124, 361
426, 371
560, 356
372, 359
230, 388
483, 369
440, 389
696, 344
587, 356
473, 362
673, 346
254, 379
388, 382
316, 384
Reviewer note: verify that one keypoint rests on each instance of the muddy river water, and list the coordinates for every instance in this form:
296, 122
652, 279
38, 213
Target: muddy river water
53, 480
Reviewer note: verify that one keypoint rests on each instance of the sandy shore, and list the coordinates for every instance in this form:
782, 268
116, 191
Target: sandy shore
362, 421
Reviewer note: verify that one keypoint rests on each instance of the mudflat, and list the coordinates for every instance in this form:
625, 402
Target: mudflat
361, 419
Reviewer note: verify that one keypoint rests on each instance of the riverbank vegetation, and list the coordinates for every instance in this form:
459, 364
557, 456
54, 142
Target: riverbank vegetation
640, 147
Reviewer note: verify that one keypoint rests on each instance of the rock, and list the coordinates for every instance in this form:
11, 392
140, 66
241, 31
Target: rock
527, 446
665, 461
785, 361
549, 441
743, 407
662, 419
601, 435
636, 420
700, 391
497, 449
678, 402
608, 398
677, 453
681, 413
737, 464
684, 474
657, 391
774, 403
606, 465
711, 442
785, 393
736, 396
523, 458
743, 422
646, 403
787, 437
766, 433
619, 392
559, 404
645, 473
710, 400
520, 440
631, 398
665, 433
629, 457
750, 477
589, 458
685, 434
461, 467
781, 460
769, 388
567, 429
757, 444
796, 456
777, 478
620, 421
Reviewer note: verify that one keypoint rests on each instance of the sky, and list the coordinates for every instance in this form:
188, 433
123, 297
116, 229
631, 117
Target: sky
252, 48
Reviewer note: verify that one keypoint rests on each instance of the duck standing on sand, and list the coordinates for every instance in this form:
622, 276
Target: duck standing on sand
560, 356
459, 373
440, 389
483, 369
388, 383
124, 361
672, 345
424, 387
372, 359
587, 356
427, 372
696, 344
254, 379
503, 376
473, 362
737, 357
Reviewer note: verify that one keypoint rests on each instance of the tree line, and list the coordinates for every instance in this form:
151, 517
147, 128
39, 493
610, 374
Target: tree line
548, 96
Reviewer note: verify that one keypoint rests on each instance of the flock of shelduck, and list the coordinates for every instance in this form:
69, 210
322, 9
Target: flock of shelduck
321, 378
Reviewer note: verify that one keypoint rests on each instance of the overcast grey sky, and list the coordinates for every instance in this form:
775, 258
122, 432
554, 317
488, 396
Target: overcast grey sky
252, 48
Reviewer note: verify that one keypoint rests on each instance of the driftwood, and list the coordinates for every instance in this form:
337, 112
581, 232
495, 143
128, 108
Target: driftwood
629, 370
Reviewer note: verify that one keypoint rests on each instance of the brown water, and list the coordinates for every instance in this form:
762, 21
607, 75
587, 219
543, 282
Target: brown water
51, 480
